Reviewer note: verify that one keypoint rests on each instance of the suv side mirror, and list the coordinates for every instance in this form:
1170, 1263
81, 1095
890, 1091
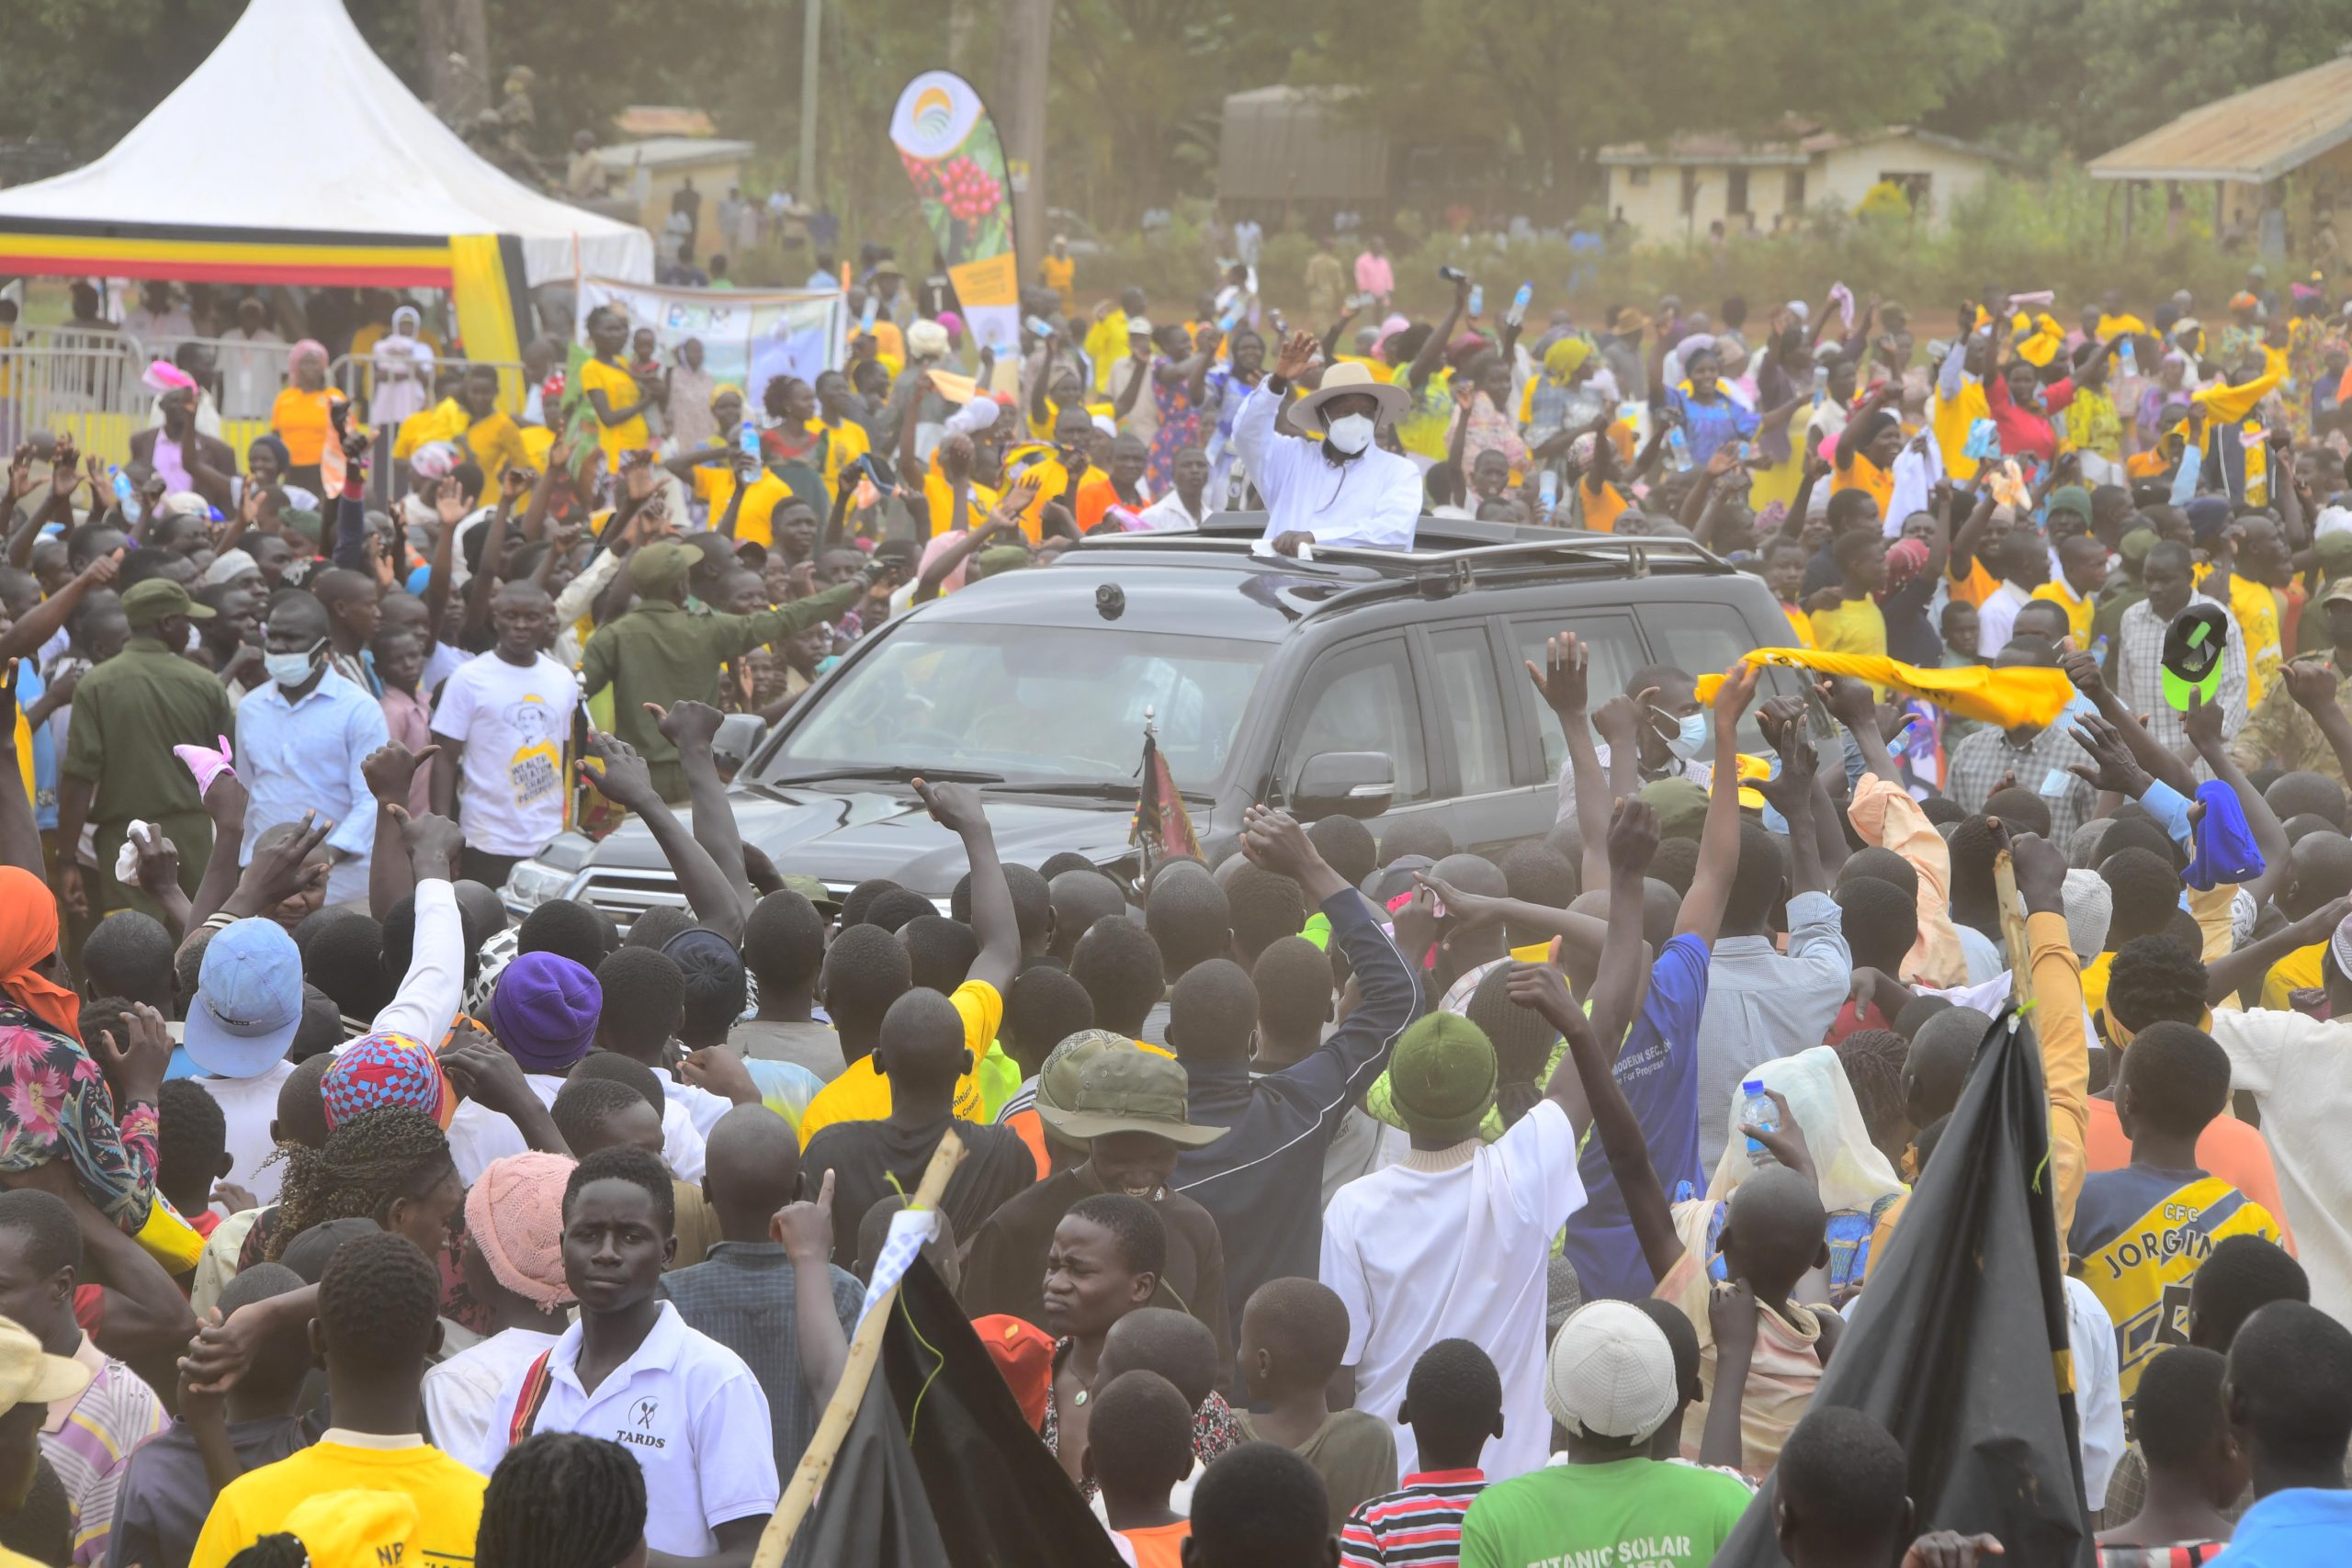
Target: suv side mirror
738, 738
1344, 783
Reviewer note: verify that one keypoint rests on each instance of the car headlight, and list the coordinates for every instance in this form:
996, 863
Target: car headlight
533, 882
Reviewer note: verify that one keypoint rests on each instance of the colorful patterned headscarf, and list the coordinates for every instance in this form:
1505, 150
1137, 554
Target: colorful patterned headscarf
387, 1069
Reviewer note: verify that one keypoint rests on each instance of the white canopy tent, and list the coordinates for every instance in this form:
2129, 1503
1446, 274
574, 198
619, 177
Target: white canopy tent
290, 153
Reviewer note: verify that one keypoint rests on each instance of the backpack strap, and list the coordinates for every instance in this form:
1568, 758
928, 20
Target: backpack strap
536, 1384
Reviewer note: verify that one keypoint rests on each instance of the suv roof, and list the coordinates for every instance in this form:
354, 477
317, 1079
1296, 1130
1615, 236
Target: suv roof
1185, 583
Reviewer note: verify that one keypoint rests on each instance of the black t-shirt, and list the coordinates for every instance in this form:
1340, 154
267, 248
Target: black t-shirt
873, 1160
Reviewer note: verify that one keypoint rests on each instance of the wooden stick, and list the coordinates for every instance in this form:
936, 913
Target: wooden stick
865, 1350
2013, 933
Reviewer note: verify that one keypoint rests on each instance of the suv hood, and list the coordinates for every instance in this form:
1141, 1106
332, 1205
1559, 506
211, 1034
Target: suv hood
843, 838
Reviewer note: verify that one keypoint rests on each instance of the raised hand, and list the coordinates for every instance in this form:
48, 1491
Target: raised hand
449, 501
136, 1065
1564, 681
2312, 682
623, 780
1734, 695
434, 844
159, 860
1850, 702
1543, 991
288, 870
955, 807
2083, 672
1273, 840
390, 770
806, 1228
1632, 837
686, 725
1298, 353
2112, 766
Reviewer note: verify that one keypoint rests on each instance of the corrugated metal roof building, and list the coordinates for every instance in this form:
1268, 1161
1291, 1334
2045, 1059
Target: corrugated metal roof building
2251, 137
1306, 144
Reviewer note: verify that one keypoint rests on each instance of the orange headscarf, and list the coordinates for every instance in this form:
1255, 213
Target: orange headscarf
27, 935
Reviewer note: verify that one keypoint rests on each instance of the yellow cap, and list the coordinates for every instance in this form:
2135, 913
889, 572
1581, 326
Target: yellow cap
30, 1375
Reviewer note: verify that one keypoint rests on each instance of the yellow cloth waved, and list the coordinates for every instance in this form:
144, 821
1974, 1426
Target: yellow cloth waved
2226, 402
2005, 697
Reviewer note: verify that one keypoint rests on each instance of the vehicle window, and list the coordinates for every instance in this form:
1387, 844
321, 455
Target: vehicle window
1362, 699
1468, 694
1032, 704
1703, 639
1612, 649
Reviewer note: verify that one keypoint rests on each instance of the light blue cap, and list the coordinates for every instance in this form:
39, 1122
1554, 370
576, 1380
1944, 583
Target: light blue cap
248, 1001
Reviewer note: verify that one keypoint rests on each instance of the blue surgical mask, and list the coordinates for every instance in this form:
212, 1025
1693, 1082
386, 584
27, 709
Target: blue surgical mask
1690, 735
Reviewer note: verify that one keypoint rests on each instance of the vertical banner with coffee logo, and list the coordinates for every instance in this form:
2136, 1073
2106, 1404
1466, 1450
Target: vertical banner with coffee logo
952, 153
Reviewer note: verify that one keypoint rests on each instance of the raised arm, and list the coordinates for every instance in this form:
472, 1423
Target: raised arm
1389, 993
1616, 995
627, 781
390, 770
45, 619
20, 839
2202, 724
2057, 1017
689, 725
958, 809
1563, 684
1702, 907
426, 1003
1432, 352
2242, 967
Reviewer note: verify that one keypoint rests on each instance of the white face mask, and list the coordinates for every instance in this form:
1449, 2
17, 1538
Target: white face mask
1349, 433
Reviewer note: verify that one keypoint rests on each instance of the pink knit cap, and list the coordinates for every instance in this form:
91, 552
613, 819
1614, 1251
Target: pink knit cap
514, 1213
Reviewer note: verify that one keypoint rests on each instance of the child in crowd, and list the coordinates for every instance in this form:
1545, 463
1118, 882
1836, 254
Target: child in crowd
1138, 1445
1294, 1333
1454, 1403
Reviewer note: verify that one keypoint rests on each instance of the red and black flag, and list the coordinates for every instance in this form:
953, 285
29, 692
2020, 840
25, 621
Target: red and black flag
1162, 826
940, 1468
1959, 1345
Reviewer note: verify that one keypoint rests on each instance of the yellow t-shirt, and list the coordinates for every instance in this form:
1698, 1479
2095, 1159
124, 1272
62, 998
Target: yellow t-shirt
1802, 624
862, 1094
1060, 274
620, 390
2299, 971
1862, 474
1427, 422
448, 1495
301, 421
2255, 605
845, 443
1856, 626
495, 445
2093, 976
1950, 422
2079, 611
1057, 480
1106, 344
1976, 587
942, 502
715, 483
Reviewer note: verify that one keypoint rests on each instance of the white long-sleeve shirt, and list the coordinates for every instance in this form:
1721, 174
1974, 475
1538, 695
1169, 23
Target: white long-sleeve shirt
427, 1004
1373, 498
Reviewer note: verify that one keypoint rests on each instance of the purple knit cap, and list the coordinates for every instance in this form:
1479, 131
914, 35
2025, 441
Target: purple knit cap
544, 1011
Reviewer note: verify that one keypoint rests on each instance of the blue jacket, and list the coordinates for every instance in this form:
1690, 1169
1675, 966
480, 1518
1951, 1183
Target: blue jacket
1263, 1181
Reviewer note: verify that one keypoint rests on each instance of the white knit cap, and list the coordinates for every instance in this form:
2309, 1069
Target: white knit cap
1611, 1373
2090, 908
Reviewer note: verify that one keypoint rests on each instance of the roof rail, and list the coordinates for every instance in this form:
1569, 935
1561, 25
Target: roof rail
1450, 549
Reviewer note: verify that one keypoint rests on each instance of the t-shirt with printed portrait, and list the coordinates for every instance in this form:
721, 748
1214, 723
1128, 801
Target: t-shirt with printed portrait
514, 720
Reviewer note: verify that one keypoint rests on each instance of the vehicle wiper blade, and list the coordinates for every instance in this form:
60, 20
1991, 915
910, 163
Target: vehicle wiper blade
1124, 789
901, 774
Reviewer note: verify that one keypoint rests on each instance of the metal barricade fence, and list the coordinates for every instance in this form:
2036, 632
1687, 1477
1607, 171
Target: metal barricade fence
88, 383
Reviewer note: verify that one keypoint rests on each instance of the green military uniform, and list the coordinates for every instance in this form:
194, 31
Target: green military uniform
660, 653
128, 715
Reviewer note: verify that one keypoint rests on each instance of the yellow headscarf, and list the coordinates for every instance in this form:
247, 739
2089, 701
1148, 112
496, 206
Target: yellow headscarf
727, 388
1563, 359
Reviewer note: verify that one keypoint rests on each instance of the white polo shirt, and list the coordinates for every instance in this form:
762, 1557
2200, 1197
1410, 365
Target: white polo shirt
683, 1405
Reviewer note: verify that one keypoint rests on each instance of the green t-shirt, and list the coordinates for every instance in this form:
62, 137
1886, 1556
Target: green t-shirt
1634, 1513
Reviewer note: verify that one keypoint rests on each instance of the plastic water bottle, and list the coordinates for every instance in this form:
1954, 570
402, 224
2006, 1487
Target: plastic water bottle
1820, 384
1757, 1109
2130, 360
1478, 299
747, 439
1519, 303
122, 488
1677, 450
1547, 490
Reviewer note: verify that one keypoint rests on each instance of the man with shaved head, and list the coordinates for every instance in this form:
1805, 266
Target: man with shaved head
789, 1317
301, 737
1080, 899
922, 1053
501, 724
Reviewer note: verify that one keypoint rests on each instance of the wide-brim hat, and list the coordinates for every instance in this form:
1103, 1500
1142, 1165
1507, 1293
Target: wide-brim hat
1349, 380
1130, 1091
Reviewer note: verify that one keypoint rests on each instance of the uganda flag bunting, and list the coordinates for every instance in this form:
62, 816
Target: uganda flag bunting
1959, 1344
940, 1469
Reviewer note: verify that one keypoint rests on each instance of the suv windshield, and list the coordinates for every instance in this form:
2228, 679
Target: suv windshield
1035, 705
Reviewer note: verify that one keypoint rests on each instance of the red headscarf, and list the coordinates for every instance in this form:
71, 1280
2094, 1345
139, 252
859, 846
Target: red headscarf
27, 935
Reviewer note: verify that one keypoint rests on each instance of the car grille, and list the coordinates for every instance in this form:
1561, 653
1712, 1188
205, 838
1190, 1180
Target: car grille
626, 892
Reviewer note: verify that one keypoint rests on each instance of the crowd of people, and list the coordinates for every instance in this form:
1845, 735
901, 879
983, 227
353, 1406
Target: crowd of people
1344, 1193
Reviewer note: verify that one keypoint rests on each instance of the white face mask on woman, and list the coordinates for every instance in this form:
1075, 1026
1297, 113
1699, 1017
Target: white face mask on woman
1349, 433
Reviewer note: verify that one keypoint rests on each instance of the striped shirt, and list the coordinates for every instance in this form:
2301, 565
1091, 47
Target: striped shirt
88, 1442
1419, 1524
